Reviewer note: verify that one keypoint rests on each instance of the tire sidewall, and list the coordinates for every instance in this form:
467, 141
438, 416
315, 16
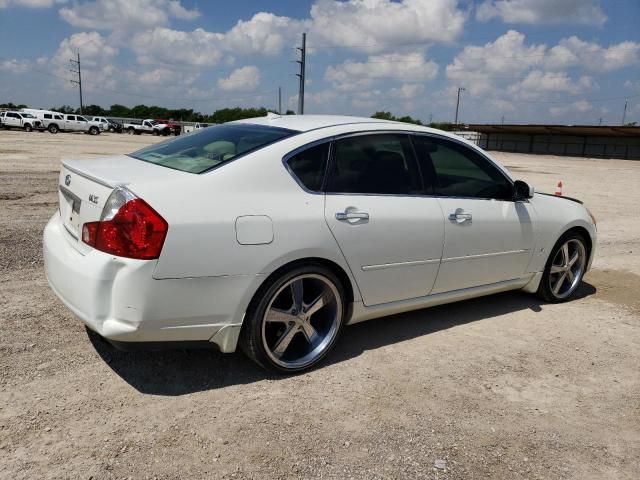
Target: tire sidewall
252, 326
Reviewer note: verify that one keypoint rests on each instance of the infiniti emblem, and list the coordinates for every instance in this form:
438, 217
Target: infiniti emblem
67, 180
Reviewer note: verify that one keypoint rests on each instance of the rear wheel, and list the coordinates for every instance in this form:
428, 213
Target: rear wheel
28, 127
112, 130
131, 130
53, 128
294, 319
565, 268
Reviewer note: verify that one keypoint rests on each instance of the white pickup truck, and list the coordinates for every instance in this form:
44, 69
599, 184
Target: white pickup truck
193, 128
147, 126
60, 122
22, 120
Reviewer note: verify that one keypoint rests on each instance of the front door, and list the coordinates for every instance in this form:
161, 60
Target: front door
390, 233
489, 238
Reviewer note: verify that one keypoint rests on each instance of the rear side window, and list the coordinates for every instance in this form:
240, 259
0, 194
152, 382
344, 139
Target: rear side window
48, 116
461, 172
309, 166
211, 147
71, 117
380, 164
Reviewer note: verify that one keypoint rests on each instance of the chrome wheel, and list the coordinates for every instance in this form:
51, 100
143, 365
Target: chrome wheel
301, 321
567, 268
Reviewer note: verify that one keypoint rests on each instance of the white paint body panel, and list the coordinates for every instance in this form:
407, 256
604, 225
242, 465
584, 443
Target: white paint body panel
220, 248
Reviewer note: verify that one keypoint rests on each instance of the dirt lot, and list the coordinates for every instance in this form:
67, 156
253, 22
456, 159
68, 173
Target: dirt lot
499, 387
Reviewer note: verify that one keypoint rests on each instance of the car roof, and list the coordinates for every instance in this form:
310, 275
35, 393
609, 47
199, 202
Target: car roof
305, 123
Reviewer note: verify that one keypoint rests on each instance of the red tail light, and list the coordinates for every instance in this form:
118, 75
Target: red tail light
134, 230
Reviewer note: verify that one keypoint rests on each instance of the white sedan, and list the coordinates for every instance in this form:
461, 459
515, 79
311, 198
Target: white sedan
273, 233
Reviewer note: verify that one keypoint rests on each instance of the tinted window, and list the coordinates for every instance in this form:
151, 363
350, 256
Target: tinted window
309, 166
58, 117
47, 116
81, 119
461, 172
378, 164
12, 115
210, 147
71, 117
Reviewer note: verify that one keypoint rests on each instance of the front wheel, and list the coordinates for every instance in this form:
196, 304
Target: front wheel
565, 268
294, 319
94, 131
28, 128
53, 128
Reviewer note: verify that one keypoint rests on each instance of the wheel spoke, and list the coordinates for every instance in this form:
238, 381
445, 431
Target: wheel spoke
570, 276
557, 269
310, 333
284, 341
559, 282
565, 254
574, 259
278, 315
318, 303
297, 291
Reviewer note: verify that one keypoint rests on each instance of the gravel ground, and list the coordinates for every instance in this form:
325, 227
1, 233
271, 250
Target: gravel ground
499, 387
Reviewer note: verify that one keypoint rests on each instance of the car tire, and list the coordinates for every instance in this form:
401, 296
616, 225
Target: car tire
28, 127
155, 132
565, 268
112, 130
53, 128
94, 131
282, 332
131, 130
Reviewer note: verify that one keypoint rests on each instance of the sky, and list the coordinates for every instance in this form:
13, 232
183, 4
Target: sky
518, 61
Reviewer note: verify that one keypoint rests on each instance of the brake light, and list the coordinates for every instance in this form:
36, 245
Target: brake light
128, 227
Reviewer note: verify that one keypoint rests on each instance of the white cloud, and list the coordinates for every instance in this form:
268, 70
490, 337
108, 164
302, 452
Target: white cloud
242, 79
580, 106
16, 66
572, 51
96, 55
121, 15
31, 3
539, 82
264, 33
586, 12
199, 47
378, 24
406, 67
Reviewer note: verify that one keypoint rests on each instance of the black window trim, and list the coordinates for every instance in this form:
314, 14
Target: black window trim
428, 191
477, 152
407, 133
302, 148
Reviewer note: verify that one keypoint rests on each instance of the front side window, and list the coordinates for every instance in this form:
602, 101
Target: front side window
309, 166
380, 164
81, 119
461, 172
211, 147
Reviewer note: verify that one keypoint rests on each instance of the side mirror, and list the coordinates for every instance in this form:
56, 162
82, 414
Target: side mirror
522, 190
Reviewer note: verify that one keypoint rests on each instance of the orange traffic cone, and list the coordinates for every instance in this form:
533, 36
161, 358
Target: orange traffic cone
559, 188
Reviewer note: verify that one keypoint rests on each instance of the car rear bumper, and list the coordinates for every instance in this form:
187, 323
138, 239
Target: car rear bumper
119, 299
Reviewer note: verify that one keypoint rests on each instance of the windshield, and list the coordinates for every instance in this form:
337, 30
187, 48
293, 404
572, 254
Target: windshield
211, 147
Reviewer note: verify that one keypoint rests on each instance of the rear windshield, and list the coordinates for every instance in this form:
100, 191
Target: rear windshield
210, 147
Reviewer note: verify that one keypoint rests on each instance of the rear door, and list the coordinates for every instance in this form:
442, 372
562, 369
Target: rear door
390, 233
488, 237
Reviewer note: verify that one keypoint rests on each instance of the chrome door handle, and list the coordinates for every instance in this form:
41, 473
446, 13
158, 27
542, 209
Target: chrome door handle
352, 216
460, 216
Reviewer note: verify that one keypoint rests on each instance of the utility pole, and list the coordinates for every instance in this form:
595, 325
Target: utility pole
460, 89
430, 118
302, 62
279, 100
79, 81
502, 119
600, 121
624, 113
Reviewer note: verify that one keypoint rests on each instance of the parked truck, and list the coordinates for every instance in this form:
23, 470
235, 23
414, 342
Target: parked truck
61, 122
22, 120
147, 126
